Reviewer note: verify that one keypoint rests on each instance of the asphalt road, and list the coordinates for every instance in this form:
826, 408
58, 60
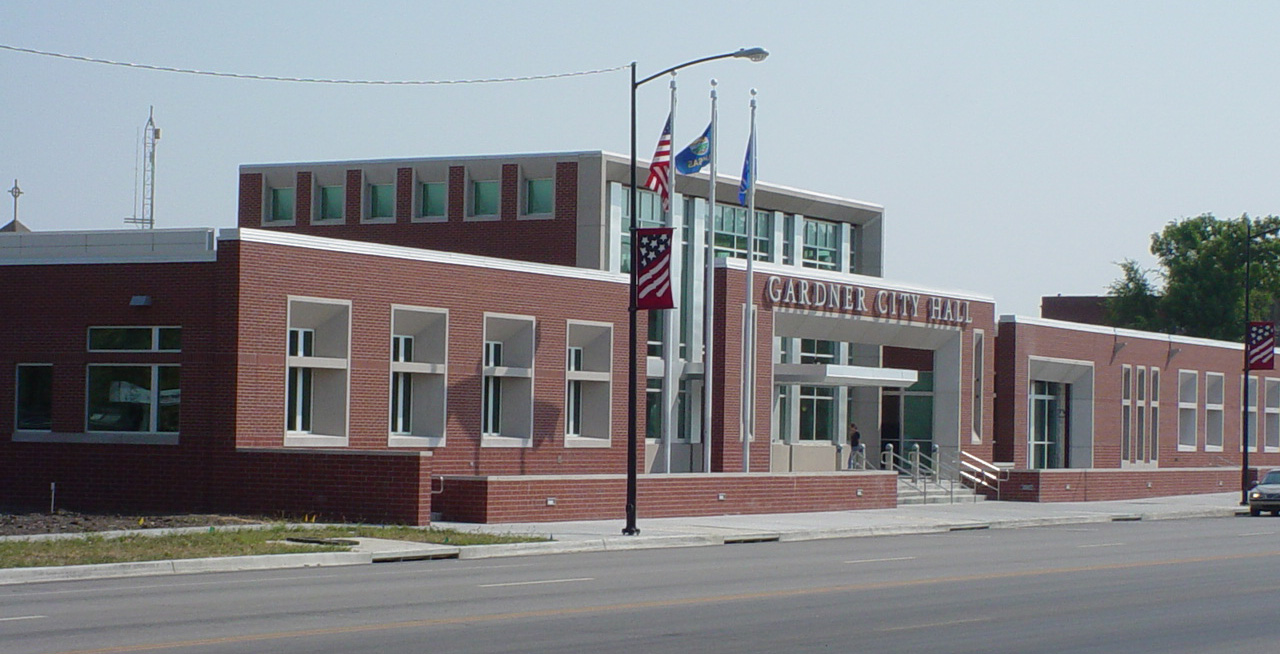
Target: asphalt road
1199, 586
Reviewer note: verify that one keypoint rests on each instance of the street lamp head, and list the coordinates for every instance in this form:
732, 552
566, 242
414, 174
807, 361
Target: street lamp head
754, 54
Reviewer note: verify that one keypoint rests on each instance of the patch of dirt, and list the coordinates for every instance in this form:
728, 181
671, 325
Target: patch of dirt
22, 522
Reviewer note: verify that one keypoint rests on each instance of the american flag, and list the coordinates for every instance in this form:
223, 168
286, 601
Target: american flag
660, 167
1261, 345
653, 277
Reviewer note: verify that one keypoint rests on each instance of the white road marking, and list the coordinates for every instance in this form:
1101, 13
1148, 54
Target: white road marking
23, 617
1100, 545
534, 583
935, 624
1260, 533
897, 558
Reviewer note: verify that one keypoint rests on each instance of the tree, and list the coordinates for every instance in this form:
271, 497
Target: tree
1132, 301
1201, 260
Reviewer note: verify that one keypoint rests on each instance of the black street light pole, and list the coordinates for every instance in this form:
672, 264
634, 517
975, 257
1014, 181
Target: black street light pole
1244, 400
753, 54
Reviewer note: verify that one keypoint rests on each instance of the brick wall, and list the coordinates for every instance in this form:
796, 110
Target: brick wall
545, 240
1103, 485
602, 497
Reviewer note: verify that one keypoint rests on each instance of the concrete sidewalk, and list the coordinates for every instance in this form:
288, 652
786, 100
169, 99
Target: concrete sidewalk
606, 535
914, 519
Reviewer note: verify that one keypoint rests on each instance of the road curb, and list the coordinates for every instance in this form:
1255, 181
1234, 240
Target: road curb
181, 566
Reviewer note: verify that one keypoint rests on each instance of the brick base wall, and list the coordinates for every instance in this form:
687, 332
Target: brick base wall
391, 487
1097, 485
381, 487
603, 497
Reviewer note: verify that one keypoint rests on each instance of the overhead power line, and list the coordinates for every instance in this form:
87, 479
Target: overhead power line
311, 80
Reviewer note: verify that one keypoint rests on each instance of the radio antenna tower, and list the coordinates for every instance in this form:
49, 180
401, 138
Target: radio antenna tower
150, 134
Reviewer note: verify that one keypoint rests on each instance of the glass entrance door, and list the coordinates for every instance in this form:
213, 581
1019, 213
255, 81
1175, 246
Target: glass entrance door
1049, 426
907, 416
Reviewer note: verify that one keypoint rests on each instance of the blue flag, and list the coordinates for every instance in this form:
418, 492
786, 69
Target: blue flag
748, 170
696, 155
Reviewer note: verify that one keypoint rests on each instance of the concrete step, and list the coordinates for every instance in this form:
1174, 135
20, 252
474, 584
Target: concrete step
936, 493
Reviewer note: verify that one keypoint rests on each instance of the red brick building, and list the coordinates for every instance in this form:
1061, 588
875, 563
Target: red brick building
392, 340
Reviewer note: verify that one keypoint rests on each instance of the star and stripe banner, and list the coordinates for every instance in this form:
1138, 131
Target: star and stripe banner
1261, 346
653, 277
660, 167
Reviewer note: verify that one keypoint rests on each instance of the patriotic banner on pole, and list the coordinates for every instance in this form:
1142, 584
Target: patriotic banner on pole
653, 276
660, 167
1261, 346
696, 155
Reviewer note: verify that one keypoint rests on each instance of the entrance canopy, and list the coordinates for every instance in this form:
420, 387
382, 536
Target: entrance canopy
819, 374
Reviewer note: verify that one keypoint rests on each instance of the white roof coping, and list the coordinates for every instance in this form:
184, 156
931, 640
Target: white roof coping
108, 246
416, 254
1118, 331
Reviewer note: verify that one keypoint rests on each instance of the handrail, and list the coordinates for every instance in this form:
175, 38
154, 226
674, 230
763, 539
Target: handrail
980, 472
943, 468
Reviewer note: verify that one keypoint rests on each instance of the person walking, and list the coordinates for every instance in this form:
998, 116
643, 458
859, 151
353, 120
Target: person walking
855, 445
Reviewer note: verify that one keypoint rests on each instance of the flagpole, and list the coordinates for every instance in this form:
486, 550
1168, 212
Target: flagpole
749, 330
670, 347
709, 299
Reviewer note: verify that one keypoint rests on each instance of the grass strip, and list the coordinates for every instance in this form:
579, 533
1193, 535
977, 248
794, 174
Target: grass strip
220, 542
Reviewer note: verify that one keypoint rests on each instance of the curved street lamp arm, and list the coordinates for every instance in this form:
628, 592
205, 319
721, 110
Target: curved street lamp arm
754, 54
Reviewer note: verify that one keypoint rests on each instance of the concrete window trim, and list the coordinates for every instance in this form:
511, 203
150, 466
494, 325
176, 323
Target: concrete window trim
1080, 374
329, 365
426, 370
511, 378
1214, 411
430, 200
279, 186
377, 184
1188, 410
1271, 415
589, 383
1249, 385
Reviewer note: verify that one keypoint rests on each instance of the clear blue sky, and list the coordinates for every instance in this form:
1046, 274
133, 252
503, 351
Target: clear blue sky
1020, 148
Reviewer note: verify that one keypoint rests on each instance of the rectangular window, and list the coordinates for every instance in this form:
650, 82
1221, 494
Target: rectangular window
401, 387
418, 366
282, 201
485, 198
588, 396
382, 200
649, 212
332, 202
1214, 388
133, 398
1153, 429
979, 366
539, 196
1188, 397
317, 378
492, 416
435, 197
821, 245
301, 344
1126, 414
731, 232
788, 241
853, 248
1271, 439
1140, 437
34, 407
135, 339
653, 409
1251, 412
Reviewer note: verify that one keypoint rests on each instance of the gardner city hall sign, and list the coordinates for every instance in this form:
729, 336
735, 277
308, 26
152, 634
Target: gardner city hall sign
860, 300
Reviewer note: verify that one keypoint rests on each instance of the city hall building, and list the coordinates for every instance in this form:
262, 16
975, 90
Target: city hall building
395, 340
